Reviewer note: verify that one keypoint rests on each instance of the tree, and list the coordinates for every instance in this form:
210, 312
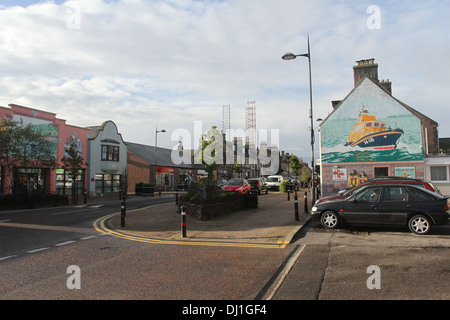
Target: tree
73, 163
295, 165
212, 150
23, 147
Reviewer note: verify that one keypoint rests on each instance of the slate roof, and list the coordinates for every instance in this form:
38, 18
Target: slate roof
148, 153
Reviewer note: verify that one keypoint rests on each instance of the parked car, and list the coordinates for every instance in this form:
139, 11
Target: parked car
258, 184
381, 180
237, 185
274, 182
393, 203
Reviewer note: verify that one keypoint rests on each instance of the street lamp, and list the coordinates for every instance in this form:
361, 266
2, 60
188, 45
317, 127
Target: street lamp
291, 56
156, 153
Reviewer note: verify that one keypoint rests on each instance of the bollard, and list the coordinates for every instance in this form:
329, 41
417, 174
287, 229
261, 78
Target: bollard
183, 222
123, 212
306, 202
296, 207
289, 195
176, 198
85, 196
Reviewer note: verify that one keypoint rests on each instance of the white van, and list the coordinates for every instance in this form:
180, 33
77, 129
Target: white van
274, 182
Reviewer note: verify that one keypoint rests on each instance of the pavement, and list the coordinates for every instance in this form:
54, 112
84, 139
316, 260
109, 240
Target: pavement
272, 224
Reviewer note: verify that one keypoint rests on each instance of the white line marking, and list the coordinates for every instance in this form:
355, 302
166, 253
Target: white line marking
64, 243
37, 250
89, 237
286, 271
8, 257
5, 220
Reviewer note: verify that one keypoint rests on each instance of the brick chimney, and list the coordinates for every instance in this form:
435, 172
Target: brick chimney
365, 68
368, 68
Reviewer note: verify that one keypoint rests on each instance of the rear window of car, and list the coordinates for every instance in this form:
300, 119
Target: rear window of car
421, 195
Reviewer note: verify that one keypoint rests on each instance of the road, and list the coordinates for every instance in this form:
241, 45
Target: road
340, 265
30, 231
38, 247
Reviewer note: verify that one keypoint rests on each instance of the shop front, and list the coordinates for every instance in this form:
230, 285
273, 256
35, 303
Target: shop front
165, 178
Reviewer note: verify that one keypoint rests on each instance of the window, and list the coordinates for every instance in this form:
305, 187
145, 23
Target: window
381, 172
107, 183
438, 173
419, 195
1, 180
110, 153
65, 183
369, 195
396, 194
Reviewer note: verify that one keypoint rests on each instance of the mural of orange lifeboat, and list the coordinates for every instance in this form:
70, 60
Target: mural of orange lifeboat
373, 134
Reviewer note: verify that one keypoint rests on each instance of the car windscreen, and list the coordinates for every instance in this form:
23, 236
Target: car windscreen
234, 183
272, 179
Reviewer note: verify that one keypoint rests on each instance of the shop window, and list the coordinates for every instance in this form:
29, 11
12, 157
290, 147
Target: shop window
107, 183
65, 183
438, 173
29, 180
110, 153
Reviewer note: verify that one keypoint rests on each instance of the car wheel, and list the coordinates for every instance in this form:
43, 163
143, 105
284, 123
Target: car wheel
419, 224
330, 220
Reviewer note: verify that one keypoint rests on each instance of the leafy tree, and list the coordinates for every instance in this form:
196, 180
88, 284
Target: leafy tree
295, 165
23, 147
212, 150
73, 163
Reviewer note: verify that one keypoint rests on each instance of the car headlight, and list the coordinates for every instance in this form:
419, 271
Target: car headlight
314, 209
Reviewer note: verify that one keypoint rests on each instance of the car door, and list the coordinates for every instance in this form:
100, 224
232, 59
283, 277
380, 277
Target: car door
363, 207
395, 205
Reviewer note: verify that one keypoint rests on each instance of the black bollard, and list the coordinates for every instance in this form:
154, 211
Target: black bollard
296, 207
306, 202
123, 212
183, 222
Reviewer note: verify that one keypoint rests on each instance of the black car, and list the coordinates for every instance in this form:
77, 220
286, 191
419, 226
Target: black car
259, 185
388, 204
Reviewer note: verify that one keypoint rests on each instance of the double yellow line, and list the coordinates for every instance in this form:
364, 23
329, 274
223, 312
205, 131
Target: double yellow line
100, 226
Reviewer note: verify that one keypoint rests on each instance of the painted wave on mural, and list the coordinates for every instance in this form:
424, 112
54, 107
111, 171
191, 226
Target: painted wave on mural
335, 147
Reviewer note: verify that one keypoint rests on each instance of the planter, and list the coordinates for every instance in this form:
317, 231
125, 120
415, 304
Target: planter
182, 187
209, 209
143, 190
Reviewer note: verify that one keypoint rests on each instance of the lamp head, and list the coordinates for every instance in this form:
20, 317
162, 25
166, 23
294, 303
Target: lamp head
289, 56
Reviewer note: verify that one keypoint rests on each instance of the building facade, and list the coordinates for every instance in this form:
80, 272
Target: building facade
107, 168
60, 135
371, 134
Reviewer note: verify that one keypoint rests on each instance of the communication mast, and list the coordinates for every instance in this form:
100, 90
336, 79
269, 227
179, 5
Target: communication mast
226, 122
250, 122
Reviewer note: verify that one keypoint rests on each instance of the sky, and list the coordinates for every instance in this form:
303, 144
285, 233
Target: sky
173, 64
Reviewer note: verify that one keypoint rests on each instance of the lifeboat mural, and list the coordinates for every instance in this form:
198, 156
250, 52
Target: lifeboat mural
373, 134
369, 125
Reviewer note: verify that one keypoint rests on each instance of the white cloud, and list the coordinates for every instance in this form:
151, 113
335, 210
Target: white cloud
170, 63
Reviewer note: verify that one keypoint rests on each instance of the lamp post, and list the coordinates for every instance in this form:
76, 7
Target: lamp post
291, 56
156, 152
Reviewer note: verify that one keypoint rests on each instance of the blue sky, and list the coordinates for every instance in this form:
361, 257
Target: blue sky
170, 63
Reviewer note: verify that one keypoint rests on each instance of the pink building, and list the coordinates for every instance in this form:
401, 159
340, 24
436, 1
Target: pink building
60, 135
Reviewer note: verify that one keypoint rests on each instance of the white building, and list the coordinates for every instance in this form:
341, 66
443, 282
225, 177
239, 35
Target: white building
107, 163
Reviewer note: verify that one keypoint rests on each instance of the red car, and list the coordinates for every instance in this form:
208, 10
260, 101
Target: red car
380, 180
237, 185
